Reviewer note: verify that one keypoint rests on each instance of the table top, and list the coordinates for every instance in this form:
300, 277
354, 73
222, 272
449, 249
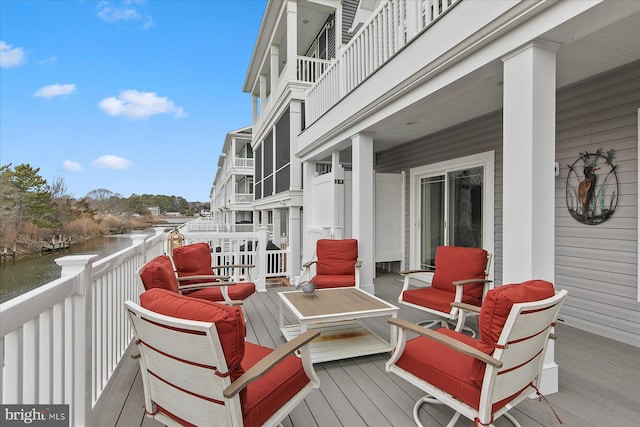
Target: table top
335, 302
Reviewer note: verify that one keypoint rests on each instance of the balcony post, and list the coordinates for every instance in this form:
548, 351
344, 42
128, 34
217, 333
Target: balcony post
529, 128
292, 39
261, 256
79, 367
362, 219
413, 18
275, 65
263, 92
254, 109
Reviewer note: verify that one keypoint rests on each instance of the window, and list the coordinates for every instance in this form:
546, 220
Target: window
451, 204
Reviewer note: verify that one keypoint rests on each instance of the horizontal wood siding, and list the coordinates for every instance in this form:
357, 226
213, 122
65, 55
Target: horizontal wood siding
598, 264
475, 136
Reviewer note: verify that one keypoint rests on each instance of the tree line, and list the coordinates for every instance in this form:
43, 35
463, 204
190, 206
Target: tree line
32, 209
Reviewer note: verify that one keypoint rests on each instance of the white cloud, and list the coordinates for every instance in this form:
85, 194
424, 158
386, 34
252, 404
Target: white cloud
113, 14
71, 166
129, 12
110, 161
55, 90
10, 56
139, 105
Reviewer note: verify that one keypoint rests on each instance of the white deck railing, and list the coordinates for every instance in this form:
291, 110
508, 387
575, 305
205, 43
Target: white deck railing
60, 343
230, 248
391, 26
309, 69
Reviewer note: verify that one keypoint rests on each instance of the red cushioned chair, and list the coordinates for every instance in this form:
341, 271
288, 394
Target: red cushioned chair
193, 265
460, 275
198, 370
482, 378
159, 273
336, 264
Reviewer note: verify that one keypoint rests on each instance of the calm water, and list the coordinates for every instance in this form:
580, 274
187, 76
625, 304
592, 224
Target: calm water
24, 274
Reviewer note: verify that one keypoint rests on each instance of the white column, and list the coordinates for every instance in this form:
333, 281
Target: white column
338, 195
309, 168
254, 108
292, 40
295, 127
276, 227
529, 119
275, 66
363, 207
263, 92
295, 239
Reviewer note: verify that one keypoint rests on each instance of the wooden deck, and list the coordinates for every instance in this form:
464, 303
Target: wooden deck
599, 381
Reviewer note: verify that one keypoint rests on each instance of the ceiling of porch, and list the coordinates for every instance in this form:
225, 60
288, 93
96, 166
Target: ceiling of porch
479, 93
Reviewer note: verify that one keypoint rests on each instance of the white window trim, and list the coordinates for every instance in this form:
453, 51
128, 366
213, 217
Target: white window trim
638, 211
487, 161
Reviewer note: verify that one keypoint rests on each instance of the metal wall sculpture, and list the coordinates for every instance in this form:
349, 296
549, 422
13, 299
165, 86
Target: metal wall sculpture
592, 187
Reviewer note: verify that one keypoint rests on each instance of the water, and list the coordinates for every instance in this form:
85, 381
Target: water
27, 273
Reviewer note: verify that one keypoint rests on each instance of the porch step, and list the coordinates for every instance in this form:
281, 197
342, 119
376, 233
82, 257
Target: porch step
276, 282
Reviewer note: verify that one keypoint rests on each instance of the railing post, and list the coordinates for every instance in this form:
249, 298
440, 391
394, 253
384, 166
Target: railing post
80, 366
261, 258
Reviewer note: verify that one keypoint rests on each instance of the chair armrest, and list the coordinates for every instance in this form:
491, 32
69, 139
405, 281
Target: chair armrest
272, 359
466, 307
213, 279
446, 340
219, 284
309, 263
358, 264
232, 302
468, 281
405, 272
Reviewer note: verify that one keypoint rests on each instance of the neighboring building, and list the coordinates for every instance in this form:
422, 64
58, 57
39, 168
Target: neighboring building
232, 190
153, 210
294, 47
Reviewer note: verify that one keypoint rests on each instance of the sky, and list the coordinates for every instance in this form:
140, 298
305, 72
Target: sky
132, 96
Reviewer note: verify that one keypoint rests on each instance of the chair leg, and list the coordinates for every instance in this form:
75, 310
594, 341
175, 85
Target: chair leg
429, 399
512, 419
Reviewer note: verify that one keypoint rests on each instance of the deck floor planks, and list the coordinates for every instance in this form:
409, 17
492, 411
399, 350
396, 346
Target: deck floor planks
599, 381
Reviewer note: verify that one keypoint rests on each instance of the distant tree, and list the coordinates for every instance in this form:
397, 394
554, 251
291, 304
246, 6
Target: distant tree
25, 198
104, 201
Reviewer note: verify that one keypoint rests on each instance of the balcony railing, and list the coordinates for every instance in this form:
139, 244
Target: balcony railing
387, 31
243, 162
62, 342
309, 69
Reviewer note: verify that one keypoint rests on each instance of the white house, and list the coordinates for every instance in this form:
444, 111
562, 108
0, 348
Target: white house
461, 122
232, 189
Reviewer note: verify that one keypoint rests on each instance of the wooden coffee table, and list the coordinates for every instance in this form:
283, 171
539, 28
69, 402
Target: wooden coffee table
336, 313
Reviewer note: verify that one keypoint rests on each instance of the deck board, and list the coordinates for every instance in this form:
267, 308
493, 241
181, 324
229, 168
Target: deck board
599, 381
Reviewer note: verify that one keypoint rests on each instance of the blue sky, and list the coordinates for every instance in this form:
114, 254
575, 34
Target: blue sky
132, 96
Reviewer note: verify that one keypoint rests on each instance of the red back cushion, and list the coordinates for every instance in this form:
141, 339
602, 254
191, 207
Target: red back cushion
460, 263
229, 321
336, 257
193, 260
158, 273
496, 308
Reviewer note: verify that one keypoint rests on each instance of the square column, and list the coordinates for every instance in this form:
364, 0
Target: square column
292, 40
529, 125
363, 224
295, 239
338, 195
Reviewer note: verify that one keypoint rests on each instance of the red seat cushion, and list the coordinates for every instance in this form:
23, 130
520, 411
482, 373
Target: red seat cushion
158, 273
271, 391
334, 281
435, 299
239, 291
336, 257
193, 260
459, 263
229, 321
496, 308
441, 366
